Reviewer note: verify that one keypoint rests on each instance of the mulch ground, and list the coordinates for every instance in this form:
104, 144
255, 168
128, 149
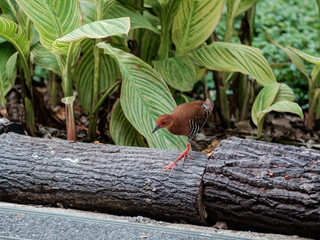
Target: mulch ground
280, 128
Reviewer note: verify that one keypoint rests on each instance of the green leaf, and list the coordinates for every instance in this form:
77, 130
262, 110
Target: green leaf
231, 57
317, 108
11, 70
119, 125
309, 58
42, 57
7, 11
144, 97
295, 59
181, 98
178, 72
232, 7
315, 75
284, 94
6, 50
109, 72
96, 30
194, 23
272, 93
12, 32
150, 42
264, 99
282, 106
68, 100
53, 19
273, 97
244, 6
88, 9
118, 9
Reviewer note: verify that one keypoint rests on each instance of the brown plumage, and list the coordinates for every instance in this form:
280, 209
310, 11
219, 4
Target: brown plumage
186, 119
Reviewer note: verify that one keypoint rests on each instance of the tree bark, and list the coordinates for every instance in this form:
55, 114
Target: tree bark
251, 183
107, 178
269, 186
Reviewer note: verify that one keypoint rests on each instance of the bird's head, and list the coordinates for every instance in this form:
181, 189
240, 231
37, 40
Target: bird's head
164, 121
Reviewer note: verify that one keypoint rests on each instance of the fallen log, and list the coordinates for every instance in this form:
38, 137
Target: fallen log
106, 178
269, 186
257, 184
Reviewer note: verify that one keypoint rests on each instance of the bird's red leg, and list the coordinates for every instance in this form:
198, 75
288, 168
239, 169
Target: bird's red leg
183, 155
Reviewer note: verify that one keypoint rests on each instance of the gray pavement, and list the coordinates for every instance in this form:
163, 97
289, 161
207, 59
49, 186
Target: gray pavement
23, 222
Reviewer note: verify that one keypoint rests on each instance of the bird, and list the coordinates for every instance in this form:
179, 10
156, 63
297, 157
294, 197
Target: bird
186, 119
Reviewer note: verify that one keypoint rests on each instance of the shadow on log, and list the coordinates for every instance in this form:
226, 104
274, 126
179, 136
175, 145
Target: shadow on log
269, 186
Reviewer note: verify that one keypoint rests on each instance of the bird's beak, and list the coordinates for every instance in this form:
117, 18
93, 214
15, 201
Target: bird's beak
155, 129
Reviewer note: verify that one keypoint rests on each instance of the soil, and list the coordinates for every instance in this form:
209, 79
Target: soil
280, 128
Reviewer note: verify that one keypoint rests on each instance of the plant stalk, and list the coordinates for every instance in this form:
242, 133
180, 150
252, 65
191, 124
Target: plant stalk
71, 128
96, 77
222, 99
53, 88
105, 95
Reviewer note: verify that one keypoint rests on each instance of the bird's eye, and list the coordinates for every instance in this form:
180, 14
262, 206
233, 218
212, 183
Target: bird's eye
163, 122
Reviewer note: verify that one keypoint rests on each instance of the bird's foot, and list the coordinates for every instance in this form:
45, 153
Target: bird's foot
210, 155
183, 155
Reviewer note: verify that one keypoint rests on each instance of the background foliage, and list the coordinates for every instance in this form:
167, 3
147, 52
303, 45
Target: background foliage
158, 53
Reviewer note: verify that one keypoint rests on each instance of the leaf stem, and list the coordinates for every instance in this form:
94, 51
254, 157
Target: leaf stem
96, 76
105, 95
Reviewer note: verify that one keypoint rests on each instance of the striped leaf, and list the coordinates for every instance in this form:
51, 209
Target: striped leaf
11, 69
109, 72
53, 19
234, 9
244, 6
295, 59
150, 42
181, 98
231, 57
96, 30
119, 125
178, 72
7, 11
88, 9
194, 22
144, 97
42, 57
315, 75
309, 58
6, 50
272, 93
273, 97
264, 100
117, 9
283, 106
12, 32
